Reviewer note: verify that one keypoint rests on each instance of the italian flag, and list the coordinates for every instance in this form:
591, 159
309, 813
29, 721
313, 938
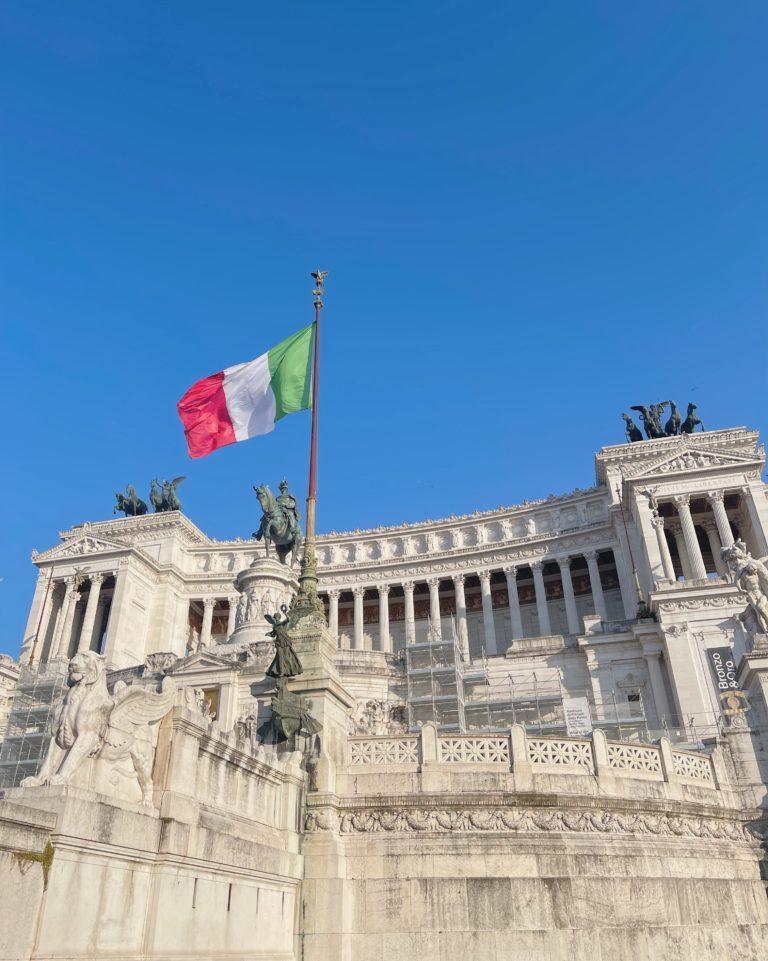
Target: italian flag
248, 399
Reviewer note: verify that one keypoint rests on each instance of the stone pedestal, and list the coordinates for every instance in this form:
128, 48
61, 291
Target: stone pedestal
328, 700
264, 587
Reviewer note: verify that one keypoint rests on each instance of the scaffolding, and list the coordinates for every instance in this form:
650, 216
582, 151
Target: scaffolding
38, 692
446, 687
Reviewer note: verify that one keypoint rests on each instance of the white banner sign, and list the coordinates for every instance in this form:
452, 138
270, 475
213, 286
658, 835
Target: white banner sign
578, 722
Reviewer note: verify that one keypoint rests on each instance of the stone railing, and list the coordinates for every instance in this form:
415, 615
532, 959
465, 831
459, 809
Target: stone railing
522, 753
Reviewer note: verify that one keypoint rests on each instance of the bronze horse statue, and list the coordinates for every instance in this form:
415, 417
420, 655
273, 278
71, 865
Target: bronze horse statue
130, 503
278, 527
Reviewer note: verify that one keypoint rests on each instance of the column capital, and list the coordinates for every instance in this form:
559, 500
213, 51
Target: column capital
458, 579
72, 587
408, 586
333, 592
657, 522
358, 591
433, 582
713, 496
383, 590
97, 578
209, 602
564, 561
511, 570
590, 556
682, 500
536, 566
485, 578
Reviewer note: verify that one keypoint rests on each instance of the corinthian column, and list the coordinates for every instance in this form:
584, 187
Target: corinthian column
514, 602
489, 627
574, 627
693, 550
385, 638
232, 614
461, 613
410, 618
434, 604
205, 633
545, 627
358, 594
666, 557
716, 498
89, 619
333, 612
596, 585
67, 617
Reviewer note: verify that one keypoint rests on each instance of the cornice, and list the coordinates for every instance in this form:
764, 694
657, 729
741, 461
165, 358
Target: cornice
146, 527
619, 458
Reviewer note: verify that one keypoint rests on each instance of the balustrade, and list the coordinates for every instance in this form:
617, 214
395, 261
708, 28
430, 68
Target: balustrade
536, 754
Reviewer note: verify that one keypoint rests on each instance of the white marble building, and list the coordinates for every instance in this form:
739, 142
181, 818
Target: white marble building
541, 595
446, 805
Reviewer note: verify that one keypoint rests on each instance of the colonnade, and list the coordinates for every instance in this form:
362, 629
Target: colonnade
58, 619
209, 605
681, 527
458, 580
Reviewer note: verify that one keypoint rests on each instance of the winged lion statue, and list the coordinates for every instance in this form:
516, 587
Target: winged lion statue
91, 722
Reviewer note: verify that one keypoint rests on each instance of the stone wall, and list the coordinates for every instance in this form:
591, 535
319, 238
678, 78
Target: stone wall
511, 847
214, 871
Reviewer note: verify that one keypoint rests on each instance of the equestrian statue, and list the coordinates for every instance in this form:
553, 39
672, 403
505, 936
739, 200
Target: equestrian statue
279, 525
130, 503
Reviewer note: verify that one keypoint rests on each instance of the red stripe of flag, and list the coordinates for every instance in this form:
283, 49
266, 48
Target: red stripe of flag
203, 412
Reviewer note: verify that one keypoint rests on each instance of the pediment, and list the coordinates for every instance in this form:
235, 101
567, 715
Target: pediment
203, 661
81, 546
690, 460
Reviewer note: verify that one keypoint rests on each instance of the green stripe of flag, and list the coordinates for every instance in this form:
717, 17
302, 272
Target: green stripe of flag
290, 371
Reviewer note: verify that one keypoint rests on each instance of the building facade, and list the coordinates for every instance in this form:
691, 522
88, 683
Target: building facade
540, 598
517, 713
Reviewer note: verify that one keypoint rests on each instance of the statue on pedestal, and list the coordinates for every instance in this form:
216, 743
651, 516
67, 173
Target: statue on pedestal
91, 722
751, 576
290, 712
130, 503
285, 662
279, 525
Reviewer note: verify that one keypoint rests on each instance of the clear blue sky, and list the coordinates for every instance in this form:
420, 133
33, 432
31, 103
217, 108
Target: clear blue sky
534, 215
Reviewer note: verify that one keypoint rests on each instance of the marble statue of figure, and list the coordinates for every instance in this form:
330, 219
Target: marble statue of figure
91, 722
751, 576
249, 605
241, 606
279, 525
530, 527
267, 603
130, 503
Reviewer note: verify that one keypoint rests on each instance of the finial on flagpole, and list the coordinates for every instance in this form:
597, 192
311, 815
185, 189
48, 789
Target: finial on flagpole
319, 276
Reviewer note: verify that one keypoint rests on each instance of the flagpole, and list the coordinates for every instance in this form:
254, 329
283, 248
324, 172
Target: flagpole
308, 599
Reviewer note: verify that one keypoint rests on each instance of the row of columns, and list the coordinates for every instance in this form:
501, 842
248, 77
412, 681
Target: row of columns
489, 627
719, 534
61, 639
209, 604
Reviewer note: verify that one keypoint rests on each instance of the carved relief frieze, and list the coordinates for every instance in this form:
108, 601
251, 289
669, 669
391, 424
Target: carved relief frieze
527, 820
